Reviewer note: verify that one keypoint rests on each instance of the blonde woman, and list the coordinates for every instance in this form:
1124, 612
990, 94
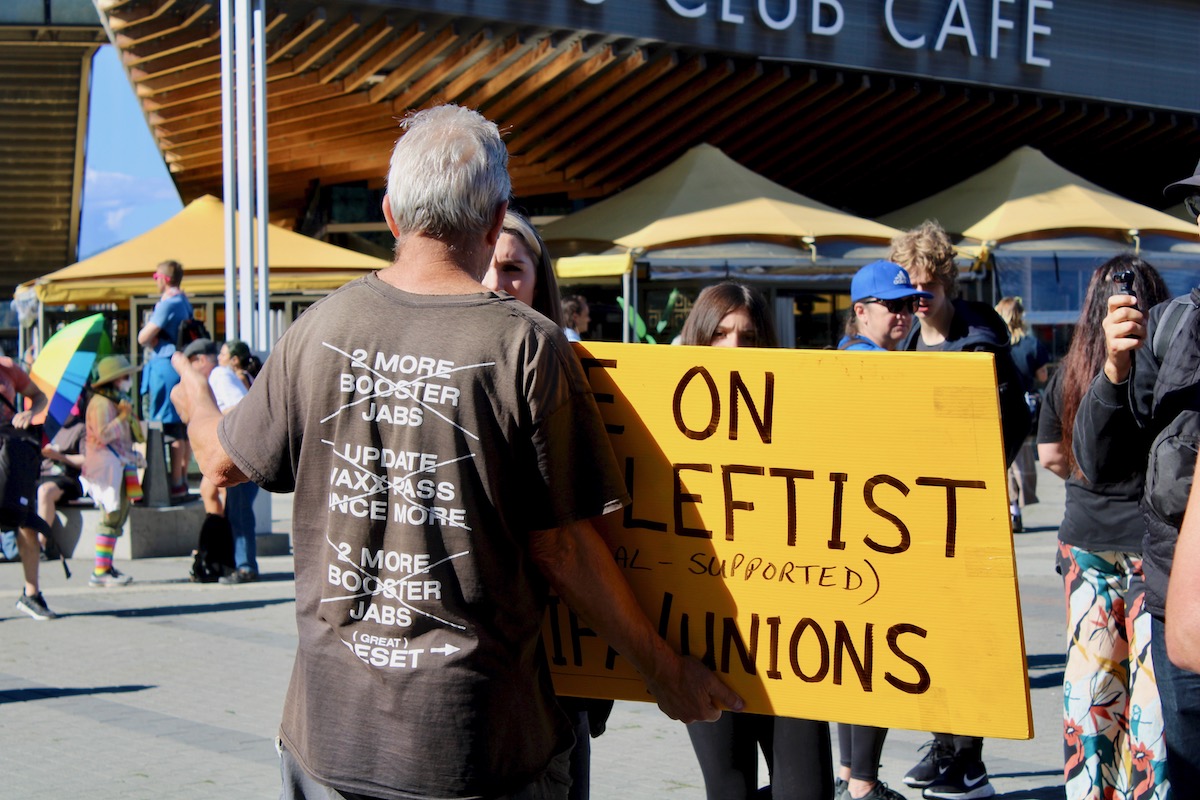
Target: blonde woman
1030, 357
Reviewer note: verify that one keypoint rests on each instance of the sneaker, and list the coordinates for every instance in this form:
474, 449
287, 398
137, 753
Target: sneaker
241, 576
1018, 526
962, 780
931, 766
110, 578
879, 791
35, 606
841, 789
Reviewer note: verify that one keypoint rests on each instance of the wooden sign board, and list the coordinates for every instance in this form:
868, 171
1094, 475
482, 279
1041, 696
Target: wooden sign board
828, 530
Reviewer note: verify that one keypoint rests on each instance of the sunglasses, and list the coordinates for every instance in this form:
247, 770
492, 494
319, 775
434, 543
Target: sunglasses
1192, 204
901, 306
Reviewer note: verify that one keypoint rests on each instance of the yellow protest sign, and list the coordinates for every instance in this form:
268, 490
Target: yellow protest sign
828, 530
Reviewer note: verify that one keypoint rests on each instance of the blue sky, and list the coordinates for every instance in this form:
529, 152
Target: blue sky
126, 186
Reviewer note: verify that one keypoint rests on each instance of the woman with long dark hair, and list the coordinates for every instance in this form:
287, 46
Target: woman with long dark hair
1113, 729
797, 751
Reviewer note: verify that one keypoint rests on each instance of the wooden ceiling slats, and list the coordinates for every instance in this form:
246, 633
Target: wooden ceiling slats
197, 52
337, 34
299, 34
678, 125
481, 65
914, 114
351, 55
513, 73
505, 100
176, 45
123, 20
434, 49
428, 84
550, 101
150, 32
599, 97
384, 56
621, 132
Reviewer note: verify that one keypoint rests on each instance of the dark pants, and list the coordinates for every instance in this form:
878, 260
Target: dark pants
299, 785
860, 747
797, 752
1179, 690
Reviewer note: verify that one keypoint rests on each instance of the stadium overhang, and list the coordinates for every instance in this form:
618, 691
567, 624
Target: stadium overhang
866, 105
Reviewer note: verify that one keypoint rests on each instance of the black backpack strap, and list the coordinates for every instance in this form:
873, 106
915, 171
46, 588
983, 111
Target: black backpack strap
1179, 311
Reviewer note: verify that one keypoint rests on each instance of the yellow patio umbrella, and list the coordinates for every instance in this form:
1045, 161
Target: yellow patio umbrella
1027, 194
706, 195
195, 237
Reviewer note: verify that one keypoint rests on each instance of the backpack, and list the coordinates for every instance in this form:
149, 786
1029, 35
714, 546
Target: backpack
1172, 459
190, 330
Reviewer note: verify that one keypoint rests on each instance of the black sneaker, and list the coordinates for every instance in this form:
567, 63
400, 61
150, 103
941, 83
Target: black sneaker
962, 780
879, 791
931, 766
35, 606
240, 576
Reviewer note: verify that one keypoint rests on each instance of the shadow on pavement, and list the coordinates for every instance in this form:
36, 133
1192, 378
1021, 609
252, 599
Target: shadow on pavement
1055, 792
179, 610
51, 692
1047, 661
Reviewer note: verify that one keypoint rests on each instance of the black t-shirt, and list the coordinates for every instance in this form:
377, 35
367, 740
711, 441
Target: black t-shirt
1098, 516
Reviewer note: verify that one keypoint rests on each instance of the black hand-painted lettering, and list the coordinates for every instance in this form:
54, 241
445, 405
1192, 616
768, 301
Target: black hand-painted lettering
681, 497
923, 682
951, 505
763, 422
714, 400
731, 505
791, 476
869, 497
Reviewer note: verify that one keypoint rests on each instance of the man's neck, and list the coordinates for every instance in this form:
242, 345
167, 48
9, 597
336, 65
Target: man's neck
171, 291
935, 329
424, 265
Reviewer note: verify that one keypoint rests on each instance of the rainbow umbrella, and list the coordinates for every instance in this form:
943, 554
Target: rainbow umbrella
63, 367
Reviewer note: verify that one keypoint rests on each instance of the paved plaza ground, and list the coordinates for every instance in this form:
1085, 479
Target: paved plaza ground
169, 689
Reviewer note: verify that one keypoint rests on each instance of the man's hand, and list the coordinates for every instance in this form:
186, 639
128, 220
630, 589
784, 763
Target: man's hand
191, 386
580, 567
22, 419
691, 692
1124, 332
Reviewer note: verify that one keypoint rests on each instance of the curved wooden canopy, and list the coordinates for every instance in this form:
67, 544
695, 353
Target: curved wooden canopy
588, 113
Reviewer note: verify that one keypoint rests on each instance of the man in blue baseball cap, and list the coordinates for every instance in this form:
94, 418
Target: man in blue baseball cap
883, 299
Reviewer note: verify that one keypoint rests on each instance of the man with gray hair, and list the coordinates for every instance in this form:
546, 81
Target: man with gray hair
446, 455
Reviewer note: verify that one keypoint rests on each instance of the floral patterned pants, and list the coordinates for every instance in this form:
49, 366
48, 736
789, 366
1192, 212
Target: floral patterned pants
1112, 720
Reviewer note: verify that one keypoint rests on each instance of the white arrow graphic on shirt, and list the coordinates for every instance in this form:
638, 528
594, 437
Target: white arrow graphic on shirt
447, 650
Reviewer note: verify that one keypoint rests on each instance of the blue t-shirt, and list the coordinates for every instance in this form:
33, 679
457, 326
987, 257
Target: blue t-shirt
857, 342
168, 314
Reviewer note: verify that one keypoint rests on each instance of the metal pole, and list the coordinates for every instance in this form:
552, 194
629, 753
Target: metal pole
626, 328
228, 167
262, 339
245, 166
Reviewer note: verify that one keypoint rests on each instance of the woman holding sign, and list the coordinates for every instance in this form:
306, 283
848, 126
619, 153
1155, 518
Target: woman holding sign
1112, 716
797, 751
521, 266
882, 299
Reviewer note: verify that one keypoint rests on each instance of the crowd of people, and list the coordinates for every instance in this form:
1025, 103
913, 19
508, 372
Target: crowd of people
525, 455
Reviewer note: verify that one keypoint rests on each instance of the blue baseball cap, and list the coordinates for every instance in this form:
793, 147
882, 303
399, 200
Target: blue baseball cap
883, 280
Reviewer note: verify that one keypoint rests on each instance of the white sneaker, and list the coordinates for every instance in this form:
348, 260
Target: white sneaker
110, 578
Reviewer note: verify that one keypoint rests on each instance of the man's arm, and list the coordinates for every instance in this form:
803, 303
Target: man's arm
148, 335
194, 401
580, 568
1183, 590
38, 403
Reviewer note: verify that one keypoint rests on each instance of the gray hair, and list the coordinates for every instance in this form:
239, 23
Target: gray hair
449, 173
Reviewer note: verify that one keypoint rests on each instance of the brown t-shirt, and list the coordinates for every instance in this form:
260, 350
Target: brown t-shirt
425, 438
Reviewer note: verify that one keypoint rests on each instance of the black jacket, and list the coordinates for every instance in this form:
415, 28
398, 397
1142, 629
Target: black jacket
1114, 428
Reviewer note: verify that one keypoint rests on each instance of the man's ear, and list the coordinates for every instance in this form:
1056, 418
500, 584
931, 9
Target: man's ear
493, 234
387, 215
